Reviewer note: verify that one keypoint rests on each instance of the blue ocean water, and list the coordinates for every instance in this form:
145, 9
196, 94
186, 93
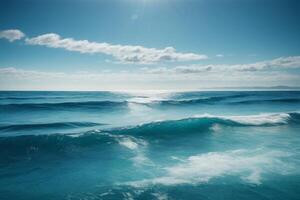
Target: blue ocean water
150, 145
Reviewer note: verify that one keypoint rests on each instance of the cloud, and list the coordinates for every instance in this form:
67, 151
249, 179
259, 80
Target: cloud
219, 55
282, 62
20, 73
12, 34
20, 79
191, 69
278, 63
123, 53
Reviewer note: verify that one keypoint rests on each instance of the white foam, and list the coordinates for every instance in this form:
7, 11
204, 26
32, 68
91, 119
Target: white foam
160, 196
75, 135
216, 127
127, 196
144, 100
128, 143
260, 119
138, 147
249, 165
140, 158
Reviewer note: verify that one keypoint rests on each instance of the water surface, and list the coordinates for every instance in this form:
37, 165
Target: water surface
150, 145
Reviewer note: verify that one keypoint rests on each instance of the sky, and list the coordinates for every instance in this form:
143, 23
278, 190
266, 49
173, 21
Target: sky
148, 44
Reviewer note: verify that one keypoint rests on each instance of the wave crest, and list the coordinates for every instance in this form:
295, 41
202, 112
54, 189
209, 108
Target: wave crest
206, 122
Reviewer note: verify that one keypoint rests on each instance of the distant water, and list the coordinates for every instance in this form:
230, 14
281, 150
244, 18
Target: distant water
143, 145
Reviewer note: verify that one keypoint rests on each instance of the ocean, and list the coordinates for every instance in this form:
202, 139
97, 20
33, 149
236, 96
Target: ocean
150, 145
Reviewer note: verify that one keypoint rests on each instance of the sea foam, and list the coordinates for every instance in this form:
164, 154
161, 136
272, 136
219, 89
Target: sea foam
249, 165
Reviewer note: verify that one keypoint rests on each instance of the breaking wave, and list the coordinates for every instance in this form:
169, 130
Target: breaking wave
131, 138
202, 123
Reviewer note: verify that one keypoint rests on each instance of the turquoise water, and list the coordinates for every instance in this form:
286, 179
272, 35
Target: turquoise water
150, 145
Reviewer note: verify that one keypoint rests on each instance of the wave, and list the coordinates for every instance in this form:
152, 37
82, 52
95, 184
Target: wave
105, 104
184, 99
18, 148
206, 122
64, 105
37, 98
230, 100
233, 99
132, 138
188, 101
254, 120
256, 101
64, 95
198, 123
42, 126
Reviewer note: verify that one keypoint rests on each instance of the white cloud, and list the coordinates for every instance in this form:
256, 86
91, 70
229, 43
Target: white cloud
282, 62
20, 73
20, 79
219, 55
12, 34
190, 69
123, 53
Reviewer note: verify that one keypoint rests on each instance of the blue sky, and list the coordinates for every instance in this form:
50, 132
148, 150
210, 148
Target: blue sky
148, 44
